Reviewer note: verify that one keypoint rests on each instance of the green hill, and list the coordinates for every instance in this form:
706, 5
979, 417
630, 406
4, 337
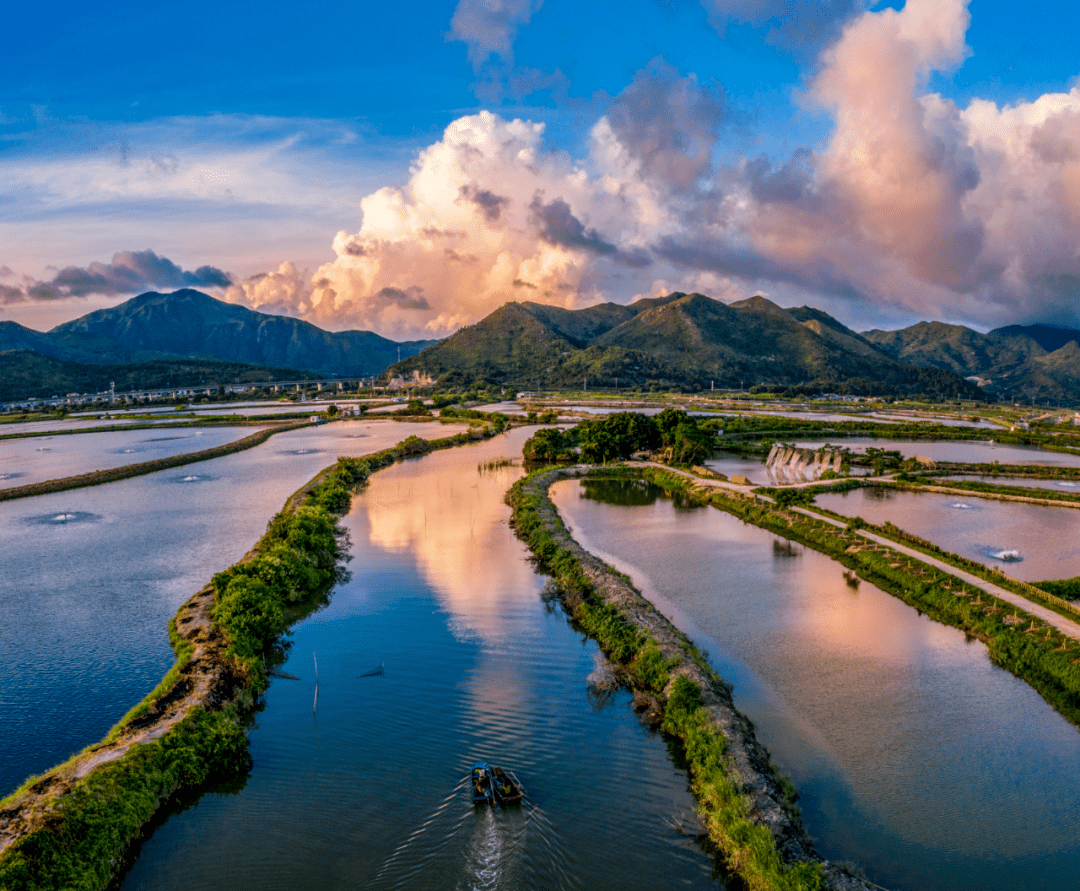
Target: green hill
191, 324
688, 341
1025, 362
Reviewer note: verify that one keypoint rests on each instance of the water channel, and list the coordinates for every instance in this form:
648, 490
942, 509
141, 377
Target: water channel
368, 791
92, 576
914, 756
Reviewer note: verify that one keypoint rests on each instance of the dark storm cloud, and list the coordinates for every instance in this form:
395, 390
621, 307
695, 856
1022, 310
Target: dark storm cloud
130, 272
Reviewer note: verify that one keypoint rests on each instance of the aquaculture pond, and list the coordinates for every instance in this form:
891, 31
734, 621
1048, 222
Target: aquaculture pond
1027, 482
92, 576
368, 788
39, 458
974, 451
1028, 541
915, 758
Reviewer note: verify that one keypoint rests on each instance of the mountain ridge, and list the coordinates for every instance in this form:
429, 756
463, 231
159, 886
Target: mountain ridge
680, 340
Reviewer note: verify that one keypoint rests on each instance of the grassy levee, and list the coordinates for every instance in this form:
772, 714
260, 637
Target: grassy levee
70, 829
747, 807
1035, 593
98, 477
1001, 492
1021, 644
171, 424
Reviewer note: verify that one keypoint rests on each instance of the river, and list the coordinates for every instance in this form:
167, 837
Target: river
368, 790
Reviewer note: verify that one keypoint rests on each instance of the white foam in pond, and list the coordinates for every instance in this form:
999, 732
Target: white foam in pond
1067, 485
1006, 556
61, 518
959, 505
191, 479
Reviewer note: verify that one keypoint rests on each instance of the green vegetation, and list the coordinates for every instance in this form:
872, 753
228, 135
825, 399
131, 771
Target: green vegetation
79, 850
747, 844
79, 842
617, 436
748, 848
1066, 589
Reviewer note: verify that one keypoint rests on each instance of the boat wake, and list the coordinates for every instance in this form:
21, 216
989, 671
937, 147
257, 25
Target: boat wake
468, 848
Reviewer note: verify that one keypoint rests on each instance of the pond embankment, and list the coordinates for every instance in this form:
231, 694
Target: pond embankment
98, 477
747, 806
71, 827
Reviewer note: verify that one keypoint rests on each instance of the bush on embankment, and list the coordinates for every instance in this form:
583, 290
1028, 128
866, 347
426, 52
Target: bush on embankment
749, 849
83, 836
81, 847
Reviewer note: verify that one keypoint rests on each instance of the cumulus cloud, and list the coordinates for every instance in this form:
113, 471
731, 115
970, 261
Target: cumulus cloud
914, 204
129, 273
489, 26
284, 292
668, 123
488, 212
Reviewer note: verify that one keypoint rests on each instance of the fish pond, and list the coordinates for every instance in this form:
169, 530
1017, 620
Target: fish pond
973, 451
92, 576
1030, 542
914, 756
39, 458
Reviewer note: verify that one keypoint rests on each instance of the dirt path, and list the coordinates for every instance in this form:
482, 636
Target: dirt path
1066, 626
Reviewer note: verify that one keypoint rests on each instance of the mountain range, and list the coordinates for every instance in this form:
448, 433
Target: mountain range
688, 341
684, 341
191, 331
1026, 362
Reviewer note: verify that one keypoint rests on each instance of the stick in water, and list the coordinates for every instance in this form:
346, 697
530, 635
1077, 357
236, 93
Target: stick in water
315, 705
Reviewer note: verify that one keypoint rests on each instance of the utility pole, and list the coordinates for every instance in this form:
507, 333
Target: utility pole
586, 385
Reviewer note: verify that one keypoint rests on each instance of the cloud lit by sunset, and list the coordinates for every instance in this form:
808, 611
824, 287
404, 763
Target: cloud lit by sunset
849, 158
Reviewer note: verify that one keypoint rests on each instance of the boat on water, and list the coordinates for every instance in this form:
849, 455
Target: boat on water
506, 786
482, 792
494, 785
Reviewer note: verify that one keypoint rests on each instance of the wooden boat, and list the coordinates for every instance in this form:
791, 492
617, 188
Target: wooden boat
506, 787
482, 790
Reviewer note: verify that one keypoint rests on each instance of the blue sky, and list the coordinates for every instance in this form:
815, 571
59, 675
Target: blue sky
727, 146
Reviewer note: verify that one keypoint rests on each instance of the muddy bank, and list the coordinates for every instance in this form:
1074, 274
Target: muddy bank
749, 792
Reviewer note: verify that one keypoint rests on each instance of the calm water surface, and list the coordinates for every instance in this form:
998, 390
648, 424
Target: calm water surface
914, 756
41, 458
90, 578
971, 451
1055, 485
369, 792
1046, 539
